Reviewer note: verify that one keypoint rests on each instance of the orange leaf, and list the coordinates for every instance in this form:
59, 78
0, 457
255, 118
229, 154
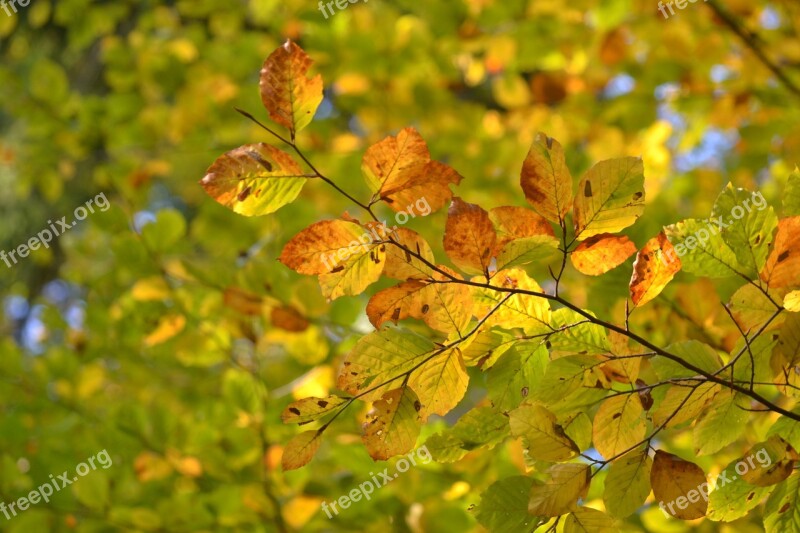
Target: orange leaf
290, 97
445, 307
512, 223
545, 179
255, 179
400, 171
288, 318
655, 266
469, 237
299, 451
783, 264
672, 479
324, 246
601, 253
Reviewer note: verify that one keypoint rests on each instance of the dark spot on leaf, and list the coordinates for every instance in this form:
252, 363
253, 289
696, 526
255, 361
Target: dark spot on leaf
750, 496
337, 268
244, 194
294, 410
587, 189
524, 392
260, 160
784, 256
322, 403
616, 415
786, 507
425, 308
638, 195
417, 405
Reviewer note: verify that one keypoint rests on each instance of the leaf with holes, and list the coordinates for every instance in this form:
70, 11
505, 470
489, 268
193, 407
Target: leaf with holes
393, 425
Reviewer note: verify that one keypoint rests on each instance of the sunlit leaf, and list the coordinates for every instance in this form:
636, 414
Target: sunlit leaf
301, 449
627, 484
393, 425
469, 237
783, 264
255, 179
544, 438
610, 197
601, 253
564, 486
286, 92
673, 478
619, 425
654, 268
545, 179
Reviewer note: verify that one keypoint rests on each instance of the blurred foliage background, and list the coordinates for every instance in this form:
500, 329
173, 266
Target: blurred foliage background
163, 329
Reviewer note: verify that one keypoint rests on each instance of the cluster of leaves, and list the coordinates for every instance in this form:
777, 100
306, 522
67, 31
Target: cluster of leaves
564, 381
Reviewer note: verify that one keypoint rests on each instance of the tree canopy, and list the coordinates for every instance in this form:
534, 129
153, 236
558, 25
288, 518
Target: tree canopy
419, 266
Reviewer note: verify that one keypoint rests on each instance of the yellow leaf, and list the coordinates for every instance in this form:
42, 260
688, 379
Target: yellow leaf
618, 425
299, 451
783, 264
440, 383
565, 485
655, 266
469, 237
792, 302
149, 289
290, 97
299, 510
168, 327
601, 253
673, 479
518, 310
402, 265
545, 179
588, 520
310, 409
393, 425
545, 438
610, 197
255, 179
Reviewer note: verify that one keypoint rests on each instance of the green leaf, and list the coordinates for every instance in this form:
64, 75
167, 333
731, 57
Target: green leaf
723, 421
702, 250
167, 230
504, 506
518, 372
791, 197
627, 484
751, 224
578, 427
788, 429
733, 497
563, 376
695, 353
782, 512
92, 490
576, 335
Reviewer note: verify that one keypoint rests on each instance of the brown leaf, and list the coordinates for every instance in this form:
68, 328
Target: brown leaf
288, 318
545, 179
243, 301
783, 264
400, 171
601, 253
290, 97
655, 266
673, 479
469, 237
301, 449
